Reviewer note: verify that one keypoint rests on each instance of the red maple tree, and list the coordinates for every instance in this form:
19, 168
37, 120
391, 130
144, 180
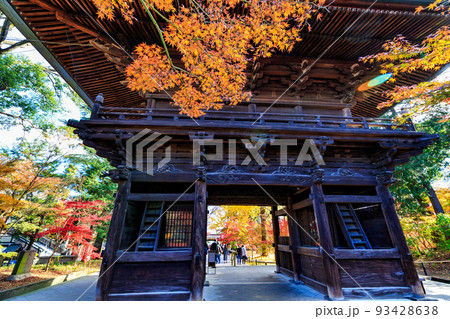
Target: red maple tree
235, 231
73, 223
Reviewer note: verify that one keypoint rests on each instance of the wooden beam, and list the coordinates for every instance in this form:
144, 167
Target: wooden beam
284, 248
113, 240
352, 199
155, 256
144, 197
280, 212
294, 235
309, 251
198, 241
398, 239
301, 190
276, 234
367, 253
314, 284
304, 203
287, 272
67, 19
332, 277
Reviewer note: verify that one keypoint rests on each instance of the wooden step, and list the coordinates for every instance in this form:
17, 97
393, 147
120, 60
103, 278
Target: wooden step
182, 295
150, 228
355, 236
143, 247
150, 237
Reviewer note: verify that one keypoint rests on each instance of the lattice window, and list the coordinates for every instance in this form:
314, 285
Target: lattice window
177, 227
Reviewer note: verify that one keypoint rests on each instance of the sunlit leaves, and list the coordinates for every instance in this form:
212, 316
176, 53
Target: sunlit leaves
22, 185
402, 56
215, 43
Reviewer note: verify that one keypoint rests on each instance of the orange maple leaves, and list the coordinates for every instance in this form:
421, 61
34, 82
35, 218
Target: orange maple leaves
402, 56
216, 40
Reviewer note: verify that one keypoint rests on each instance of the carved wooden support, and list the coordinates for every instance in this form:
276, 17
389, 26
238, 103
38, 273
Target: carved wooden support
294, 235
396, 233
198, 241
332, 276
114, 238
276, 235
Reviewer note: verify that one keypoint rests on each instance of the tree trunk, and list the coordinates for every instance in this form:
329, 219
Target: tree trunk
48, 262
98, 243
31, 242
33, 237
51, 256
263, 217
437, 207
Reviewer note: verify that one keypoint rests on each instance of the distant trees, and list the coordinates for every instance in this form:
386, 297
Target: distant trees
246, 225
35, 194
25, 193
30, 93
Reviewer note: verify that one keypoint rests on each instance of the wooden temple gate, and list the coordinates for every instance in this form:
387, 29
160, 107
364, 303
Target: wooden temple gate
343, 236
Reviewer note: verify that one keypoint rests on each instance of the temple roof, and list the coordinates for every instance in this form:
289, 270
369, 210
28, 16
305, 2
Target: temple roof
67, 29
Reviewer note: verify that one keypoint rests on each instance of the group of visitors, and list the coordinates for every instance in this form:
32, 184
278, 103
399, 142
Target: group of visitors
225, 250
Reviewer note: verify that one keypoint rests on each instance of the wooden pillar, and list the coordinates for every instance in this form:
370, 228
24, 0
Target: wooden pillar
346, 112
332, 277
123, 176
198, 241
397, 236
294, 235
276, 235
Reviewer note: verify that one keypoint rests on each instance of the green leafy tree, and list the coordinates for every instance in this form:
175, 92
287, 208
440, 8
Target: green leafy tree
30, 94
416, 177
85, 173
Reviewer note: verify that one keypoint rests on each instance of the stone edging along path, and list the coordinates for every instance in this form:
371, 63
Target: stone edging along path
14, 292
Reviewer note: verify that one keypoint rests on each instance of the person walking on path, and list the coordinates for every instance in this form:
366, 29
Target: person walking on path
239, 255
213, 251
225, 253
218, 253
244, 254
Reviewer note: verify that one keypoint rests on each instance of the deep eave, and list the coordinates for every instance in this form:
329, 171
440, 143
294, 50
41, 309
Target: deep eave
90, 72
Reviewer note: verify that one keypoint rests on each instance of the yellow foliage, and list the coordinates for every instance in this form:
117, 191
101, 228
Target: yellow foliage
216, 44
18, 181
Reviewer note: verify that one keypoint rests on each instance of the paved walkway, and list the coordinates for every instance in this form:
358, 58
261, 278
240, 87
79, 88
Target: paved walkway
252, 283
66, 291
258, 283
247, 283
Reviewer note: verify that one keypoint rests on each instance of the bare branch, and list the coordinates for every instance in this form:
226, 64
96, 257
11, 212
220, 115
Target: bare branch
14, 46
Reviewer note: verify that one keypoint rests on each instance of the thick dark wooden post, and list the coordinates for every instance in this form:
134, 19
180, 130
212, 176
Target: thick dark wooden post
198, 241
294, 236
276, 235
123, 176
397, 236
332, 277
